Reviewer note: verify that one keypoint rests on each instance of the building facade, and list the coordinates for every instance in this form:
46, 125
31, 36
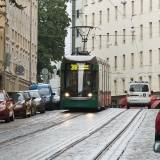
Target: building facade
127, 37
19, 38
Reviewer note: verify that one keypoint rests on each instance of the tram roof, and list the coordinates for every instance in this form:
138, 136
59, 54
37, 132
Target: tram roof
79, 58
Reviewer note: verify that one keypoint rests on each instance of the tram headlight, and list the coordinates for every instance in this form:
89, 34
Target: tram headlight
89, 94
67, 94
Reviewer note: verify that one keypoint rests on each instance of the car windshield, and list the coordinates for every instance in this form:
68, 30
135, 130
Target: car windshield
2, 97
35, 94
16, 96
139, 88
44, 91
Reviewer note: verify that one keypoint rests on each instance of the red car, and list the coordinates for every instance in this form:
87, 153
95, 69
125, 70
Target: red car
157, 127
6, 107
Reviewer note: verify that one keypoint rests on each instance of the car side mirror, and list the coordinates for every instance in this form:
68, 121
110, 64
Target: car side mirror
156, 146
53, 93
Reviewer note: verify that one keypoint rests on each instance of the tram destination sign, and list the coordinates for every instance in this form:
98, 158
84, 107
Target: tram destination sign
75, 67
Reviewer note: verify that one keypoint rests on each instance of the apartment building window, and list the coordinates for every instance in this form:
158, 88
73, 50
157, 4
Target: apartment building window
132, 8
93, 19
159, 27
107, 60
115, 37
150, 29
123, 85
100, 41
92, 43
77, 33
107, 39
141, 59
141, 32
100, 17
150, 80
124, 10
131, 79
77, 13
108, 15
116, 12
140, 78
115, 86
115, 63
150, 5
124, 35
141, 3
132, 36
158, 55
124, 61
150, 57
132, 60
86, 20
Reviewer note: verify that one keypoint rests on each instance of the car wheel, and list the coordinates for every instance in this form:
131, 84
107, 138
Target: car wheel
43, 110
52, 107
25, 114
33, 111
128, 107
8, 119
30, 114
157, 137
149, 107
12, 117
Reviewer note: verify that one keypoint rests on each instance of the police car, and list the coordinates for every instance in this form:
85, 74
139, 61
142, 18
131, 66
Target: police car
139, 94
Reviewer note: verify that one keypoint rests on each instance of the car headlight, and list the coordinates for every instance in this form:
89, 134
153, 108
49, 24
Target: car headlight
2, 107
67, 94
48, 100
89, 94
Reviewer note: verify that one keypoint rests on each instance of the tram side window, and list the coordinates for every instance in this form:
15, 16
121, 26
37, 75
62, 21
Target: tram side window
95, 81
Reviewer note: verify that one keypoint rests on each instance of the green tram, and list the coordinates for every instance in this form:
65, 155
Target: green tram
84, 83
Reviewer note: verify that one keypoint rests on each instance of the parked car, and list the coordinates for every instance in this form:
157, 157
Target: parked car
56, 97
46, 91
6, 107
157, 127
22, 105
32, 103
38, 100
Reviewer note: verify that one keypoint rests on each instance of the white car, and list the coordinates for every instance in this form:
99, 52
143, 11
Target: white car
139, 94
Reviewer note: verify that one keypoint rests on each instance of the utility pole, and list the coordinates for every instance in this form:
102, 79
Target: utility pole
30, 59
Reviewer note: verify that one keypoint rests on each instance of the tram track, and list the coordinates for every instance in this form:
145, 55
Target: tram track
80, 139
60, 119
96, 155
108, 145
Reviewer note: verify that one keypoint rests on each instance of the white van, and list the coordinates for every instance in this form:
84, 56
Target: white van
139, 94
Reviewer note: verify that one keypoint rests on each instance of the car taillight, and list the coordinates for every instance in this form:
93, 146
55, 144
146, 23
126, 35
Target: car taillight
157, 125
128, 96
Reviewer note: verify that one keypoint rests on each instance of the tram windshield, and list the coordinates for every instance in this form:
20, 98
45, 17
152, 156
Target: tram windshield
78, 78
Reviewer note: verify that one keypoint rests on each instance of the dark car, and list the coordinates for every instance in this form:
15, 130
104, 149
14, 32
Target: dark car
56, 97
6, 107
22, 105
38, 99
32, 103
46, 91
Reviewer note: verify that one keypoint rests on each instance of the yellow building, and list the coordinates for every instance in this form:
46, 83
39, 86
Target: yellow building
18, 38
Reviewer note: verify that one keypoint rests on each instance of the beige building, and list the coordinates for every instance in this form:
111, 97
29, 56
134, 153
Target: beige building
133, 55
18, 37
